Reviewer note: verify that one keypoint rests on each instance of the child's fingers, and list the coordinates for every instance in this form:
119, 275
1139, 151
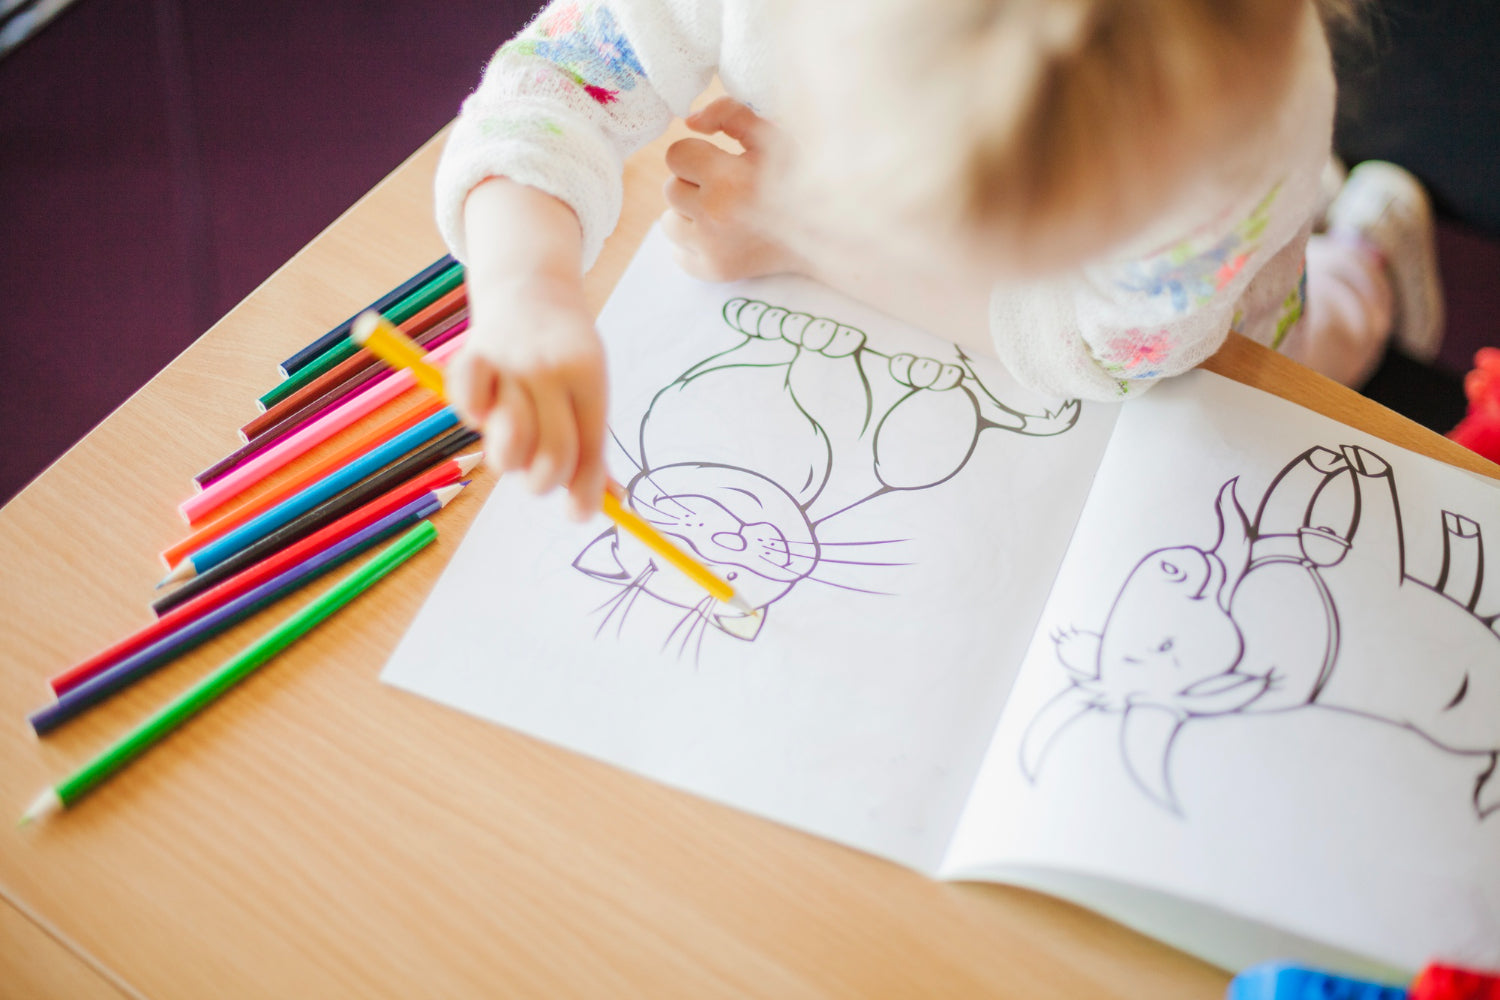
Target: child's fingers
695, 160
678, 228
587, 487
556, 455
510, 431
735, 120
684, 198
470, 386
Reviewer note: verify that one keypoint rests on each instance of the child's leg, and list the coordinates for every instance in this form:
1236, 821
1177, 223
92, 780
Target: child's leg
1347, 320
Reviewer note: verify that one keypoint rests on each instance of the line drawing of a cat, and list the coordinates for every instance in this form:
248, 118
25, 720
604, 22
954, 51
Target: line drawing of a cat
856, 423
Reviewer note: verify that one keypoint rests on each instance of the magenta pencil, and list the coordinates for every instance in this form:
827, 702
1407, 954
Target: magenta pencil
327, 424
363, 382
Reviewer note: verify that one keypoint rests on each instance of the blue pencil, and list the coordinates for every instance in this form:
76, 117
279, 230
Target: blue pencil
195, 633
297, 504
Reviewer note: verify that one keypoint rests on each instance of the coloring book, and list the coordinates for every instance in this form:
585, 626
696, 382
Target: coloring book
1219, 667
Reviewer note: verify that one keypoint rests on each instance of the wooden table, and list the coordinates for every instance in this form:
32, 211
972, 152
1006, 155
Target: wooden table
320, 834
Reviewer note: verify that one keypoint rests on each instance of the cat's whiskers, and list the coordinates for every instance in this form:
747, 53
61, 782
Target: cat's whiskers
629, 592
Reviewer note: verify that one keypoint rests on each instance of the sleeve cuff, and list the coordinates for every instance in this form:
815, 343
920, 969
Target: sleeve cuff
541, 146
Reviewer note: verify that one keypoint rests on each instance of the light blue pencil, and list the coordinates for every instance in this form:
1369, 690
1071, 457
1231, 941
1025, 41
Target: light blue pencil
297, 504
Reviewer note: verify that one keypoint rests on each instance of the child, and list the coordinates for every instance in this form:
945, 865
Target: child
1097, 190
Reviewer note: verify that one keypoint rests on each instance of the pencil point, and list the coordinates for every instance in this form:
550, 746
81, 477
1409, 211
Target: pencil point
182, 571
364, 325
45, 805
466, 463
739, 604
446, 493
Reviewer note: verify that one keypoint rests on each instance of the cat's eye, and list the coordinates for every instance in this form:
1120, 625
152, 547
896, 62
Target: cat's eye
731, 575
1165, 646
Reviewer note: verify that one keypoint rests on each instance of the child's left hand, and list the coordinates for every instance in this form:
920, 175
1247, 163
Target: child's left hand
721, 230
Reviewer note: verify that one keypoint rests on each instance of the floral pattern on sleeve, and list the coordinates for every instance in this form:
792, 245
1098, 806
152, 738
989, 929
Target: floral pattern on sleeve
584, 41
1135, 354
1291, 308
1190, 275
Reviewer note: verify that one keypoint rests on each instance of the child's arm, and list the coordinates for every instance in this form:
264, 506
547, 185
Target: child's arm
1117, 327
563, 104
529, 185
532, 372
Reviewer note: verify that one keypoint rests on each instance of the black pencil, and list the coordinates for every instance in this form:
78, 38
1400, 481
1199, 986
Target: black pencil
338, 333
325, 513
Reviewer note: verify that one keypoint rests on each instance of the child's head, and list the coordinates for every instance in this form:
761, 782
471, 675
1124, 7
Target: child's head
1027, 134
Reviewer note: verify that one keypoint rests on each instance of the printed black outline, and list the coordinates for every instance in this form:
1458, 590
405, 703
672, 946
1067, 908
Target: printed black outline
1339, 515
771, 337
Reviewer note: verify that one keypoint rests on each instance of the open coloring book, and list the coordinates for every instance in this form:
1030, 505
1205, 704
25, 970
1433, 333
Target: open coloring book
1214, 665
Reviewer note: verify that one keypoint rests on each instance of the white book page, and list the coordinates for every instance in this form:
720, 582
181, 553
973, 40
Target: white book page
898, 540
1319, 757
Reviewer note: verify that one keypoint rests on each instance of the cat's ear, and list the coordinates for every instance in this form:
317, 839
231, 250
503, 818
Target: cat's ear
745, 627
601, 559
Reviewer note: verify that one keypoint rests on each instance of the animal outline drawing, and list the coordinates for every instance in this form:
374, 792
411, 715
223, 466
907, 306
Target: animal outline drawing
853, 424
1198, 633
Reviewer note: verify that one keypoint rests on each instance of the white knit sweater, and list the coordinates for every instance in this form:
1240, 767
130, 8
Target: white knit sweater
585, 84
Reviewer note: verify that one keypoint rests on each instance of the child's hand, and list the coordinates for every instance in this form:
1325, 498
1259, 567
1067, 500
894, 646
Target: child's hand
531, 372
721, 230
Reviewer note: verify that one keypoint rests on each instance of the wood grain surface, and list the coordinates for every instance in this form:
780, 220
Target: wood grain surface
318, 834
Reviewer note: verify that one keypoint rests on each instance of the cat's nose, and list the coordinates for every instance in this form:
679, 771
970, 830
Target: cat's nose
730, 540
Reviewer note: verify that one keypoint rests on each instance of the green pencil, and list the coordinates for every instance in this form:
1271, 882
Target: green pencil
398, 313
200, 695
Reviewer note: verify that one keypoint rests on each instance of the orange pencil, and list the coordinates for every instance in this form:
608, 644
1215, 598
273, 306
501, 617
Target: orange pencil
173, 554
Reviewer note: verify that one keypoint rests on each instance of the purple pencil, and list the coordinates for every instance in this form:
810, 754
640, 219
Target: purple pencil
196, 632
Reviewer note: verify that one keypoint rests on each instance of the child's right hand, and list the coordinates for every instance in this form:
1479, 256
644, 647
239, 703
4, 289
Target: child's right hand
531, 372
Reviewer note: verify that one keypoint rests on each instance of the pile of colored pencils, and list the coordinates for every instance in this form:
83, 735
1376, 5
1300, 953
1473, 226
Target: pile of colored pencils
255, 539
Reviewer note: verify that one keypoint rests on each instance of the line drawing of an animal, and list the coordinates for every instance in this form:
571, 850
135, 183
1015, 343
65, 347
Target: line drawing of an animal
1196, 634
852, 423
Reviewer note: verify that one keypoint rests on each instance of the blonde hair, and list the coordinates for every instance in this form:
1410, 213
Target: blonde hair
1010, 111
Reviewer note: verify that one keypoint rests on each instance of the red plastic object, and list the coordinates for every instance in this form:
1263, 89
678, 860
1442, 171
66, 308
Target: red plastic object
1479, 431
1449, 982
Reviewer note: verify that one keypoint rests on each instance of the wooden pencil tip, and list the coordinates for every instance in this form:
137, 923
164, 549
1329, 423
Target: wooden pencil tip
466, 463
45, 805
739, 604
364, 325
447, 493
182, 571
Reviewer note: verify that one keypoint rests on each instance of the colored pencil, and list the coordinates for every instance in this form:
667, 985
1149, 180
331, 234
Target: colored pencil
202, 694
350, 387
198, 631
290, 421
301, 441
398, 313
374, 331
390, 298
429, 334
321, 515
292, 507
384, 431
436, 478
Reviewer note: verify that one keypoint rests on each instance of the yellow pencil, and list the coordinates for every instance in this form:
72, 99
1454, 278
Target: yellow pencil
381, 338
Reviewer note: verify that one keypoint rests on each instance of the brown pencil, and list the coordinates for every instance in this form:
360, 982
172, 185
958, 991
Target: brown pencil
419, 327
433, 337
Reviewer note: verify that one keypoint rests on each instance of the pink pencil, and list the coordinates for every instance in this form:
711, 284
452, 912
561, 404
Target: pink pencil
301, 441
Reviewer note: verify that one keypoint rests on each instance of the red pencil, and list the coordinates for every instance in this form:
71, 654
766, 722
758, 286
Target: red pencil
443, 474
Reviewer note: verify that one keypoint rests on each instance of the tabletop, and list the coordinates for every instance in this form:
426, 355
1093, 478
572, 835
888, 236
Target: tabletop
319, 834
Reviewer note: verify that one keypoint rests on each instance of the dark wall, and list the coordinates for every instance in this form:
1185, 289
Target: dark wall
160, 159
